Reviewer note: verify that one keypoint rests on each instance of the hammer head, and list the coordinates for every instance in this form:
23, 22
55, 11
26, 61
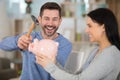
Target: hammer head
35, 20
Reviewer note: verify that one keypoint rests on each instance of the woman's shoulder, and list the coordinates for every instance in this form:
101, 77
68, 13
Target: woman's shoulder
112, 49
112, 52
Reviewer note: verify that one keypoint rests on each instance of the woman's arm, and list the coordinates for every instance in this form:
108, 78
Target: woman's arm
100, 67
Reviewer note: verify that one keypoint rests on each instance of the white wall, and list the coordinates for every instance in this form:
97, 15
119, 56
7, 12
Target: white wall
5, 28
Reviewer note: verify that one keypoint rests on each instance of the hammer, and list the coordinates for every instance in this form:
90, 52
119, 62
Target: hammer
35, 21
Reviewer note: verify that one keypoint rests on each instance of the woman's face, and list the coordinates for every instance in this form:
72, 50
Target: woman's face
94, 30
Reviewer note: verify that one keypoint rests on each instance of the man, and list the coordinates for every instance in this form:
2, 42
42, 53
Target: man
49, 19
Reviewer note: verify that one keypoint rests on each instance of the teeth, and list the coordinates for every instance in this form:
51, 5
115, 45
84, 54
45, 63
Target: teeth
50, 28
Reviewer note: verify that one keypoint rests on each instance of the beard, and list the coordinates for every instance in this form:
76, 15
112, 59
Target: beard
49, 31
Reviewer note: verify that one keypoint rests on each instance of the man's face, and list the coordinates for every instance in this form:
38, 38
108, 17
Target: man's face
50, 22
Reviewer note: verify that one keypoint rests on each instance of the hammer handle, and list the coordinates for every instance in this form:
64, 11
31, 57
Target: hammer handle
31, 28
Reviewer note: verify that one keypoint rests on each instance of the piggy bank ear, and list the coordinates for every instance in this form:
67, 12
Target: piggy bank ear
36, 40
57, 44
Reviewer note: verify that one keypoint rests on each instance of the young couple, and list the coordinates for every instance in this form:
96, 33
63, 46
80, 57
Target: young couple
102, 27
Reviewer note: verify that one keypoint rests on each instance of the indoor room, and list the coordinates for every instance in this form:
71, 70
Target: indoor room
15, 19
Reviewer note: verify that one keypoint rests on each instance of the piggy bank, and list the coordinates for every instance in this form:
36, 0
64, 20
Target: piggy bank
46, 47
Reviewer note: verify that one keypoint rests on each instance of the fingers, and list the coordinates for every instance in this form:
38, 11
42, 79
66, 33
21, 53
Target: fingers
23, 42
41, 55
41, 60
44, 60
53, 59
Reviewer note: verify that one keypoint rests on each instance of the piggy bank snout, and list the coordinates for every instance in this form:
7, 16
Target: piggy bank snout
45, 46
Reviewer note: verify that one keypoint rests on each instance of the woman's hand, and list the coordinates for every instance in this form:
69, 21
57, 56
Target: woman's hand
44, 60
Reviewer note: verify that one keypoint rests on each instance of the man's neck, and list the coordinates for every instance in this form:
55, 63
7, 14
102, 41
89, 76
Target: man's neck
50, 37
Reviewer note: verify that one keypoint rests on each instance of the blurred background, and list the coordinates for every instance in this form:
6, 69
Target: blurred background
15, 18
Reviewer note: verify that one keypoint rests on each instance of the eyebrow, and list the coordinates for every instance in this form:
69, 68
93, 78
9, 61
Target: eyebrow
48, 17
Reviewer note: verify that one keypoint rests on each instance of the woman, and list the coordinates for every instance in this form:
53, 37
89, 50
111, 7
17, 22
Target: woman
105, 64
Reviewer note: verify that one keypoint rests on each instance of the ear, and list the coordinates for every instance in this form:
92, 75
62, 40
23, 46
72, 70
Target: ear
39, 19
103, 27
57, 44
36, 41
60, 20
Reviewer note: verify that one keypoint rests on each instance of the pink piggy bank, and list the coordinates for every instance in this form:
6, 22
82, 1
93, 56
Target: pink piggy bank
45, 46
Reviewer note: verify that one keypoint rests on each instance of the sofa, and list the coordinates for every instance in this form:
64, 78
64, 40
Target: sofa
6, 72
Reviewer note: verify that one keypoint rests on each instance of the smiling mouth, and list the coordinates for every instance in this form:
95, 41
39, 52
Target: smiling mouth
50, 28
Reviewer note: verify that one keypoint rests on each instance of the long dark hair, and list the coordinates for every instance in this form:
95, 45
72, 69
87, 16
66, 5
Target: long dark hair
106, 17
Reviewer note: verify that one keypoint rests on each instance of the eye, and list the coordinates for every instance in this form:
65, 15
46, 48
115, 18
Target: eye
89, 25
55, 19
46, 19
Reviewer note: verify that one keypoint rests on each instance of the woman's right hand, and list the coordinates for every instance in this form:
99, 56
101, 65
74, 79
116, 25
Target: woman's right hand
44, 60
24, 41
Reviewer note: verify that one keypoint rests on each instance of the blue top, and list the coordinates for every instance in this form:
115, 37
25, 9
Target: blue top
30, 69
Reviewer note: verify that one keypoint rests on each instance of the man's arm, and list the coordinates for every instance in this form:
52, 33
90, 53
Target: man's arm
9, 43
15, 43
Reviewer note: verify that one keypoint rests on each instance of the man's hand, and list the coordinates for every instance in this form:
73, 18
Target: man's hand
24, 41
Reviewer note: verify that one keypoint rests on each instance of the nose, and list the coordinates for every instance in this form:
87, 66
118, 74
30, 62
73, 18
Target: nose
50, 22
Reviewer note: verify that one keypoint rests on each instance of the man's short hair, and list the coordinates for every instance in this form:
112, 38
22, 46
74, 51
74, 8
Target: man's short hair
51, 6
